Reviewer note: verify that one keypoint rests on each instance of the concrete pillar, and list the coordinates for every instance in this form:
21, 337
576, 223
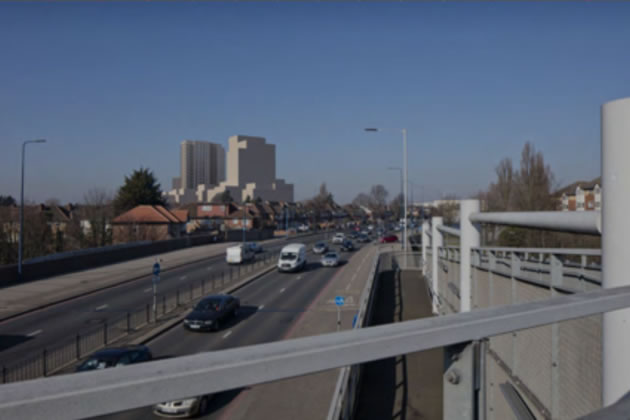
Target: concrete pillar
425, 244
468, 239
436, 242
615, 126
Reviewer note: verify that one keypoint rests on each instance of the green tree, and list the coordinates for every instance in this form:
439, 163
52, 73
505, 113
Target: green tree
226, 197
139, 188
7, 200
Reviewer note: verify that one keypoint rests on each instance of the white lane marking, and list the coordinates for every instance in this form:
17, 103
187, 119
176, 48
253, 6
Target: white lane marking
299, 277
260, 307
100, 308
183, 277
148, 289
227, 334
34, 333
283, 289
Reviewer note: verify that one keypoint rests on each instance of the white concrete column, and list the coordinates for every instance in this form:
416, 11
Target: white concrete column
425, 244
468, 239
436, 242
615, 134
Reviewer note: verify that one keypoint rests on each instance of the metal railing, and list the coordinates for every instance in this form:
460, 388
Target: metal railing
67, 352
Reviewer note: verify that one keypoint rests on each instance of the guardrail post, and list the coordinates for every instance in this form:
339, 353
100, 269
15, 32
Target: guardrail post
425, 244
556, 281
615, 224
436, 243
515, 271
44, 361
469, 238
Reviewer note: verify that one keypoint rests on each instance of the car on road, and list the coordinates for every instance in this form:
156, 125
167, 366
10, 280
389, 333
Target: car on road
347, 245
115, 356
388, 239
255, 247
364, 238
188, 407
303, 228
320, 248
211, 312
292, 258
338, 238
330, 259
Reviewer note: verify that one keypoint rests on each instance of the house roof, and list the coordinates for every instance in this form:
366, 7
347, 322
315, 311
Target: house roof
147, 214
585, 185
181, 214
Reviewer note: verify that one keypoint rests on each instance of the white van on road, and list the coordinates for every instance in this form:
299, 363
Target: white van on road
239, 254
292, 258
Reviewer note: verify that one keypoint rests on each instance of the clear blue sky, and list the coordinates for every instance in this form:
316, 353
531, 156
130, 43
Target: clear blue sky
117, 86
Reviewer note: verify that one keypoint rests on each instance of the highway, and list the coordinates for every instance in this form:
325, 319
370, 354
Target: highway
271, 305
27, 335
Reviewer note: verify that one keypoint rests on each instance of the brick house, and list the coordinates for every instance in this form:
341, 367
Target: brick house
146, 222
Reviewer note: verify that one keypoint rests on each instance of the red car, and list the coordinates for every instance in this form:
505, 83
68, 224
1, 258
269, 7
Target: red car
389, 238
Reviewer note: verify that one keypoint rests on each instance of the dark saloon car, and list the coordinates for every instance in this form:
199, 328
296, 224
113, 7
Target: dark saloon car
347, 246
116, 356
211, 312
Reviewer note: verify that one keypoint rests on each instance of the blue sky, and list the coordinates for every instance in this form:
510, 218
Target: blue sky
117, 86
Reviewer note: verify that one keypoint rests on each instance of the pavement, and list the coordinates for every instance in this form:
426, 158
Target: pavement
409, 386
276, 306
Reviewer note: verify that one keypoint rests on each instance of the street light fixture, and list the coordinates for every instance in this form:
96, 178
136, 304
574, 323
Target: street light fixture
404, 137
20, 245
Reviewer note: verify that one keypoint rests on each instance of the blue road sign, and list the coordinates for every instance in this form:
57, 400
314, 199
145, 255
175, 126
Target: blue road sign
339, 300
354, 320
156, 269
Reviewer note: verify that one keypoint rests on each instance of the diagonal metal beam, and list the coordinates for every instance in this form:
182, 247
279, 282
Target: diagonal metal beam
96, 393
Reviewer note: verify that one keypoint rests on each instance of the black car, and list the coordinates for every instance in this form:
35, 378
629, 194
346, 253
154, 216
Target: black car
116, 356
211, 312
347, 246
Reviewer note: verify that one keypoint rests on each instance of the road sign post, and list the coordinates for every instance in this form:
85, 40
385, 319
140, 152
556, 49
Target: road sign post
156, 280
339, 300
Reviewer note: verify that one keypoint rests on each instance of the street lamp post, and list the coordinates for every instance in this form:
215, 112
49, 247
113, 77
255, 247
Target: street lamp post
20, 245
404, 136
395, 168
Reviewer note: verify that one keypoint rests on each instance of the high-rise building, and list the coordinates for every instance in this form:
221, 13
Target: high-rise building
202, 163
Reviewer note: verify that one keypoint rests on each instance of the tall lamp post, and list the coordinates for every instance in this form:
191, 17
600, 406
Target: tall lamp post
21, 244
404, 137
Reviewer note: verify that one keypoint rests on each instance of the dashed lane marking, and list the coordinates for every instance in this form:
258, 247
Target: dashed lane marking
34, 333
227, 334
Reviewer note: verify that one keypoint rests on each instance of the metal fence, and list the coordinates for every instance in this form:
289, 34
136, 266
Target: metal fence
66, 352
556, 368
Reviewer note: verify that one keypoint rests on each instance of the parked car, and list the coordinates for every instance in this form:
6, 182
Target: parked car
330, 259
388, 239
338, 238
239, 254
255, 247
211, 312
292, 258
115, 356
347, 245
320, 248
189, 407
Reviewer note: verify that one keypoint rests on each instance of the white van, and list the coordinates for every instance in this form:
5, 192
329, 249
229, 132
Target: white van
292, 258
239, 254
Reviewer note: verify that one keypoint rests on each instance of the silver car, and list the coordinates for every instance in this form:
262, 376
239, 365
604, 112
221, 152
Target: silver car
330, 259
320, 248
189, 407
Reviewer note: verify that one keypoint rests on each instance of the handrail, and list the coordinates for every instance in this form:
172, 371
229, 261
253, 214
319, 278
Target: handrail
107, 391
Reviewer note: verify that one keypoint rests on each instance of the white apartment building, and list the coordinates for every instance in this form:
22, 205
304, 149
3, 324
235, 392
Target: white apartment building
251, 172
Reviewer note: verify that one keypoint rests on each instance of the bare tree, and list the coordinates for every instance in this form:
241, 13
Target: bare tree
97, 212
52, 202
362, 199
448, 209
534, 182
378, 195
397, 206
